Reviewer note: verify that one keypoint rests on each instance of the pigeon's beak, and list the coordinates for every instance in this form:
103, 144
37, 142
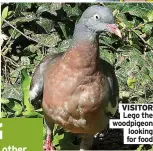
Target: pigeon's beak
112, 28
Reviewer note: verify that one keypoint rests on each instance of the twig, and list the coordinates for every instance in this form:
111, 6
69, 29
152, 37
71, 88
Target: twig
5, 70
140, 25
141, 38
5, 52
23, 33
11, 61
150, 78
7, 49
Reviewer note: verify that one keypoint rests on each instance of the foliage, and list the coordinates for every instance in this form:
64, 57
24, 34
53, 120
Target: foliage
30, 31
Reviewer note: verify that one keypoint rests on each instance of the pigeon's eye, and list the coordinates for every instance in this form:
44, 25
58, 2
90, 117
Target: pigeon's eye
96, 16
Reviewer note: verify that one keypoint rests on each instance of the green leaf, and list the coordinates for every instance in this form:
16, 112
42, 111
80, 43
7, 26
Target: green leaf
124, 21
150, 41
139, 148
148, 29
57, 138
52, 8
131, 82
21, 7
136, 10
26, 80
47, 39
3, 114
4, 101
27, 18
5, 12
14, 34
63, 28
15, 105
150, 16
25, 60
32, 48
12, 91
46, 24
108, 56
15, 74
63, 45
10, 14
30, 114
72, 11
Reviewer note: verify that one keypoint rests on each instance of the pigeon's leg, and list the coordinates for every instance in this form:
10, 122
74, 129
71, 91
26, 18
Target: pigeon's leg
86, 142
48, 142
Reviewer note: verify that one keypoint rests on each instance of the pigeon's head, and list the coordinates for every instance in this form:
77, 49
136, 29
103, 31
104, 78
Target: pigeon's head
98, 19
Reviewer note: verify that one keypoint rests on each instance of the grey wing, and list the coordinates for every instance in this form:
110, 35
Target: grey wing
113, 86
36, 87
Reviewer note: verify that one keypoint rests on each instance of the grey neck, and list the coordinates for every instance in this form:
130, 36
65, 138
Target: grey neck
82, 34
85, 46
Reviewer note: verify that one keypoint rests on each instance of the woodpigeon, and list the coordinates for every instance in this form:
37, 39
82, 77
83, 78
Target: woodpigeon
80, 90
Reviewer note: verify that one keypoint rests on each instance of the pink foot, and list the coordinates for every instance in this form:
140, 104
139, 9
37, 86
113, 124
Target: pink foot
48, 145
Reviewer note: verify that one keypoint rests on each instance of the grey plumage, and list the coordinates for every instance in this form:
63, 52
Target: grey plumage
85, 111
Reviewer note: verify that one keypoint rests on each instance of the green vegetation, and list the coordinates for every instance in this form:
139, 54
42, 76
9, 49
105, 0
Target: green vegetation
30, 31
